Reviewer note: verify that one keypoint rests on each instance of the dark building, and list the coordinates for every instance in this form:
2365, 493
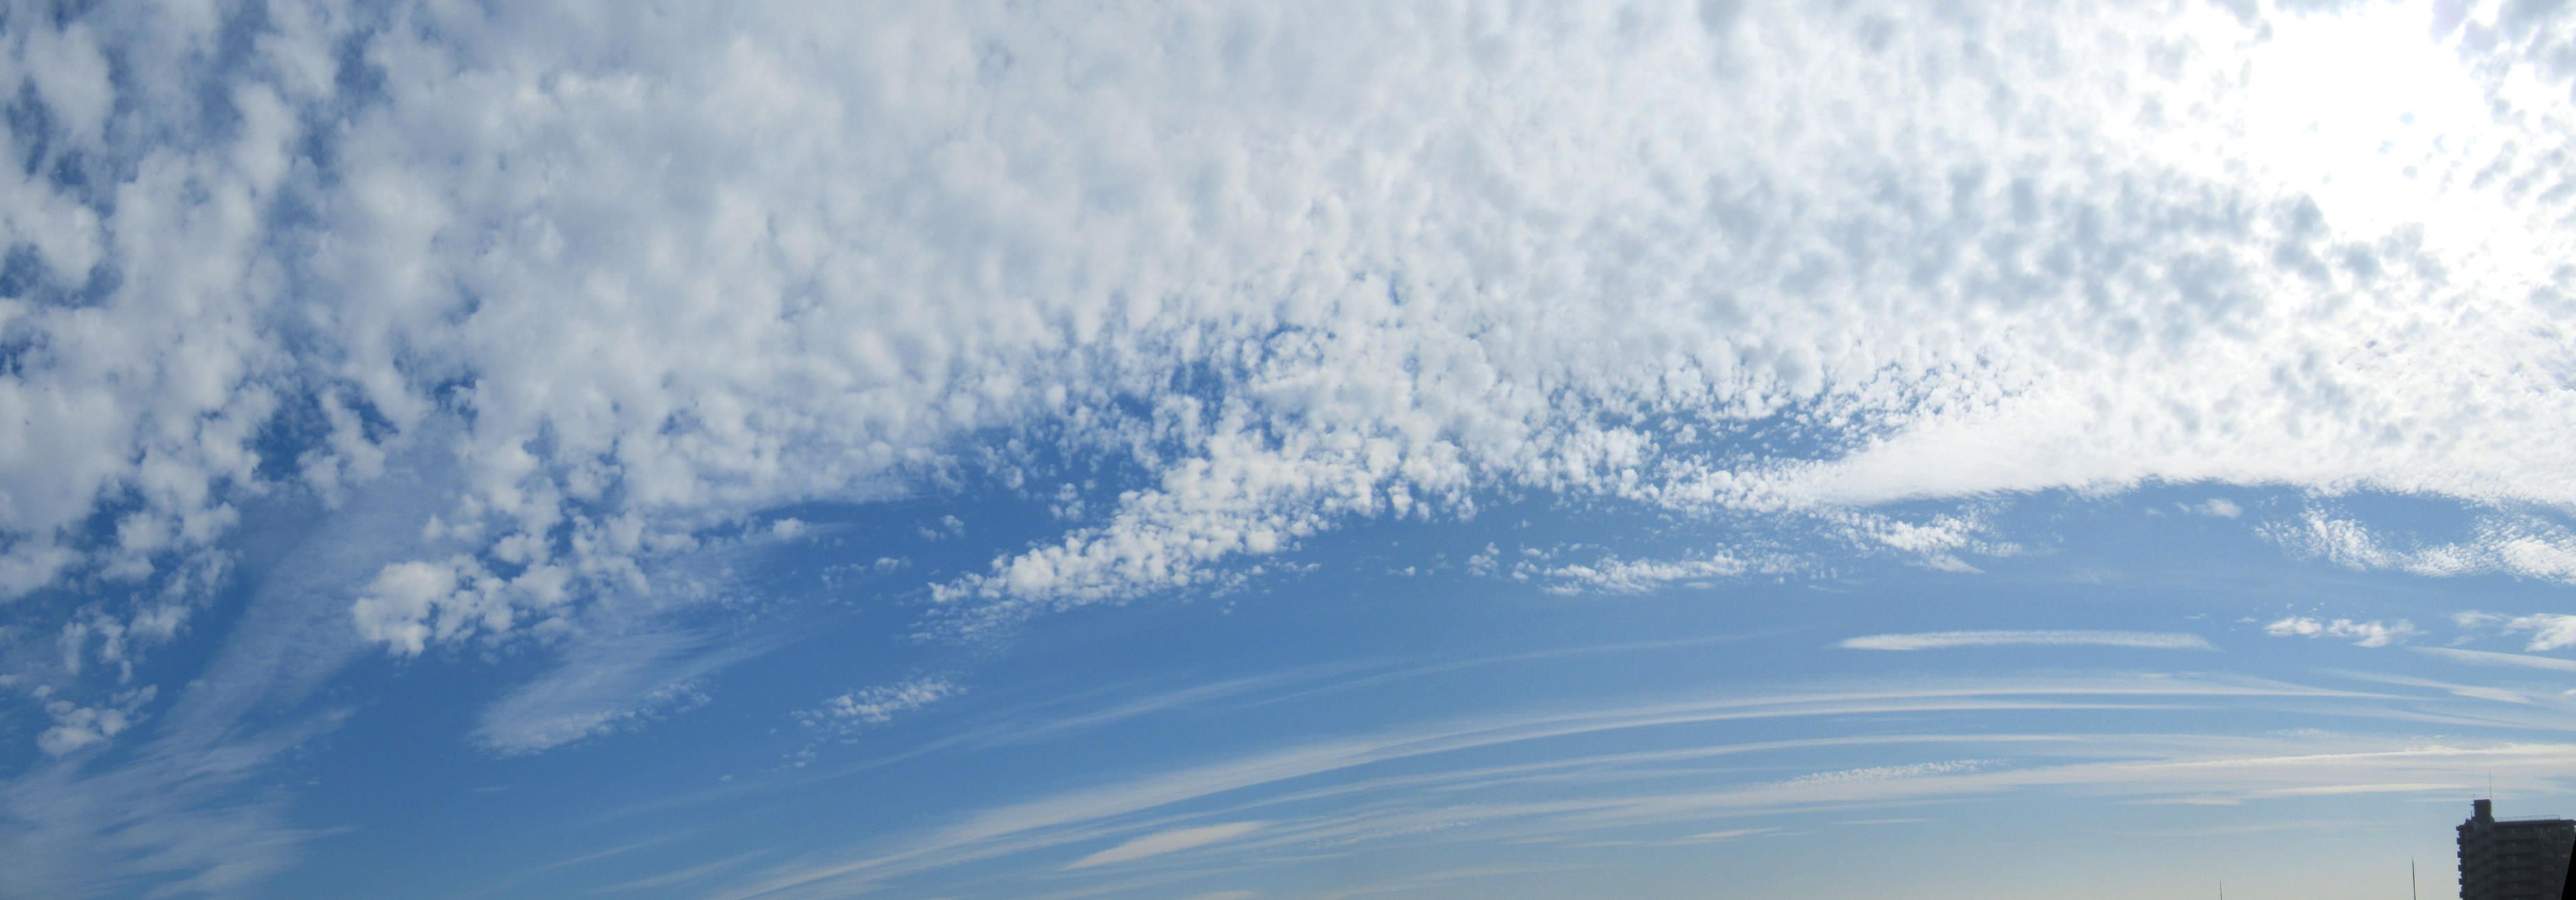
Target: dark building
2513, 859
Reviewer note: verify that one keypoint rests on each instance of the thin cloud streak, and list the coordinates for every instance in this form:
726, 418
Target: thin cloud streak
1167, 842
1943, 640
2490, 658
1092, 814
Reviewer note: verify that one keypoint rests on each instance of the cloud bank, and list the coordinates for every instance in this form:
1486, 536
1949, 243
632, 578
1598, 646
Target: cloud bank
1275, 261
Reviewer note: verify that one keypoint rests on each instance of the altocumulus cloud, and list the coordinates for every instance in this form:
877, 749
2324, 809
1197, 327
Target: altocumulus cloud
2373, 633
1270, 257
878, 705
1299, 301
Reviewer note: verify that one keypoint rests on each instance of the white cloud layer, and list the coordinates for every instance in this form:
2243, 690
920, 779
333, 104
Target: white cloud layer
1271, 256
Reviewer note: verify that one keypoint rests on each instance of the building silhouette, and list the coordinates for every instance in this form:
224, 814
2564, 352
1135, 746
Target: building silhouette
2513, 859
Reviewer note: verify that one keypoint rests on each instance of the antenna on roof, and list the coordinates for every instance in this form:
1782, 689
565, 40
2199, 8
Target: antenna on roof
2410, 879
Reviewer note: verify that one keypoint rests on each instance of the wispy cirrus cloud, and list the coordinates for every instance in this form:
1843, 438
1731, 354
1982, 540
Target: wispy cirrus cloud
1943, 640
2511, 660
1111, 812
1289, 792
1167, 842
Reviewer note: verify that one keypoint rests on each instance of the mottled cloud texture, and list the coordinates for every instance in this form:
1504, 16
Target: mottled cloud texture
661, 271
596, 287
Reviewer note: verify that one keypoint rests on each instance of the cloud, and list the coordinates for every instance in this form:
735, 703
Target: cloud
2338, 790
647, 653
2373, 633
2549, 631
679, 876
1106, 812
605, 684
880, 704
1909, 770
2217, 507
1637, 576
2471, 691
1267, 260
2485, 658
1167, 842
1940, 640
2520, 545
77, 726
1289, 301
1532, 798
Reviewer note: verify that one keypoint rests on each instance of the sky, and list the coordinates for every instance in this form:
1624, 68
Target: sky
1242, 451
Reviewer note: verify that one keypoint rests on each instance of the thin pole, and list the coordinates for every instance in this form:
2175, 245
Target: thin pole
2410, 878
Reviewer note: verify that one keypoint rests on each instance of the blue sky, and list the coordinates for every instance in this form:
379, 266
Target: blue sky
1234, 451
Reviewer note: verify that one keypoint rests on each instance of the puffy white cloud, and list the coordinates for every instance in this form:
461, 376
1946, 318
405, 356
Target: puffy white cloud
403, 596
2373, 633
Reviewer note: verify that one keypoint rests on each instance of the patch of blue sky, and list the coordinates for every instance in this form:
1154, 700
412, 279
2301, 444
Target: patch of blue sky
1546, 700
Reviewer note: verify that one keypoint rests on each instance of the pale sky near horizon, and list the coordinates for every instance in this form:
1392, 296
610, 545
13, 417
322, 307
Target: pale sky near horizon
1240, 451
